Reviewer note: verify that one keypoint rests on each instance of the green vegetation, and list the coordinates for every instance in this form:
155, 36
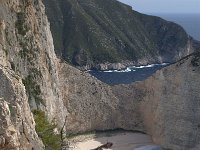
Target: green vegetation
32, 88
20, 23
26, 53
45, 129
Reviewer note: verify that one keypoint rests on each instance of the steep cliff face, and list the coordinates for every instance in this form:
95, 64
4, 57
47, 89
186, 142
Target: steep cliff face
52, 86
89, 33
26, 48
93, 106
169, 104
175, 98
165, 105
17, 126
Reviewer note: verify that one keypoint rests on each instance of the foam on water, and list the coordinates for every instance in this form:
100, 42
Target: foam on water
132, 68
128, 75
126, 70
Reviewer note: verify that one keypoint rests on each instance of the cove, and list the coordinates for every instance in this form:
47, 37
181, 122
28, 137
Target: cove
128, 75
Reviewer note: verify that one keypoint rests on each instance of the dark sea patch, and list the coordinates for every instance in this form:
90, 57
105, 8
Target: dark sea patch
129, 75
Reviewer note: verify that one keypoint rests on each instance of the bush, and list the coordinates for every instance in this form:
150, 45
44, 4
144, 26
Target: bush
20, 23
45, 129
32, 88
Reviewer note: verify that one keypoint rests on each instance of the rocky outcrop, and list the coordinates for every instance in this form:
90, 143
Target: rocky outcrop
165, 105
17, 126
169, 103
173, 100
26, 48
93, 106
93, 33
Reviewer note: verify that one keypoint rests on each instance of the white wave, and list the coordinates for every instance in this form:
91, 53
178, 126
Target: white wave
126, 70
149, 66
109, 71
131, 68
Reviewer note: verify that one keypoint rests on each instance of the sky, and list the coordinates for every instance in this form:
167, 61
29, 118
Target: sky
165, 6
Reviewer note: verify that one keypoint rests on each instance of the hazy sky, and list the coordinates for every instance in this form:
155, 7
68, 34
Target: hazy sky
165, 6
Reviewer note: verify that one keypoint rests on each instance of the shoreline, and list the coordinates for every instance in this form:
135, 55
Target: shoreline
130, 67
117, 65
121, 140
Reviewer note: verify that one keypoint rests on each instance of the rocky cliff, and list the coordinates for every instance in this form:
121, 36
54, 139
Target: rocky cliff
17, 125
52, 86
34, 80
169, 103
100, 33
93, 106
26, 48
165, 105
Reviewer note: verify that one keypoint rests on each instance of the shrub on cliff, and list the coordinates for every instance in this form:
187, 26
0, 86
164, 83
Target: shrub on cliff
45, 131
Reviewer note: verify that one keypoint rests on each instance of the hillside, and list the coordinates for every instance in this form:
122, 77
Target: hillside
91, 32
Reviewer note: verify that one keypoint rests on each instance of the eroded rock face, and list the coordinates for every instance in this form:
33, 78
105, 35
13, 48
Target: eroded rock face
93, 106
169, 104
27, 48
173, 100
165, 105
17, 126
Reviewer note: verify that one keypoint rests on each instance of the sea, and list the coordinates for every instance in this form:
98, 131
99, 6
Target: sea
191, 24
128, 75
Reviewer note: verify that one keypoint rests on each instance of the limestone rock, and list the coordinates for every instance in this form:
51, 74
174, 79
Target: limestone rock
173, 102
92, 105
169, 103
28, 50
17, 126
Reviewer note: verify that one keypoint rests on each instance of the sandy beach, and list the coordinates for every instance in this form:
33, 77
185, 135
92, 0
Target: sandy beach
121, 141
